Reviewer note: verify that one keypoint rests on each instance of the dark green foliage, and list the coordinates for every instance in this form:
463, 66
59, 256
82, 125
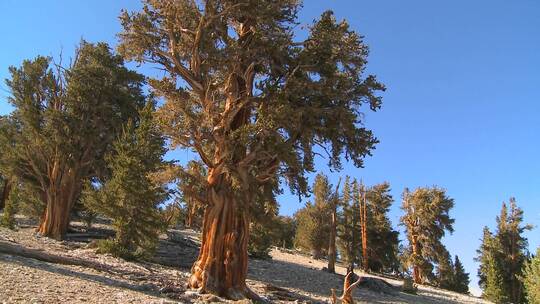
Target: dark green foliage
284, 231
382, 238
65, 120
445, 270
502, 257
270, 230
461, 278
260, 241
450, 274
348, 226
313, 221
11, 208
531, 279
426, 221
130, 197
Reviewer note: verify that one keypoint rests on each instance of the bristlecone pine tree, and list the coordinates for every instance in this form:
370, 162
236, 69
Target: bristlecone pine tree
502, 257
531, 279
66, 119
131, 197
426, 220
313, 231
252, 102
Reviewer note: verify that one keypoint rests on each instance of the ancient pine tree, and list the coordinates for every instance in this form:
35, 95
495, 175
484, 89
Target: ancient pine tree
66, 119
253, 102
426, 220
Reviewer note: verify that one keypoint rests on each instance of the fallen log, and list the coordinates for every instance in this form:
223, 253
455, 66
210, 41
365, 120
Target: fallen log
37, 254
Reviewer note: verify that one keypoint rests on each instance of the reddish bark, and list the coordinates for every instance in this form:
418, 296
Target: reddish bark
348, 288
60, 197
363, 230
221, 267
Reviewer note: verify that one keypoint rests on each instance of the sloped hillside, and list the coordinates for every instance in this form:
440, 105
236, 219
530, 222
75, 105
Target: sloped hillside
71, 272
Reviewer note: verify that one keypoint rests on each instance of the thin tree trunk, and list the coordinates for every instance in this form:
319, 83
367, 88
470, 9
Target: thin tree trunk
416, 271
332, 245
365, 259
221, 267
333, 228
5, 193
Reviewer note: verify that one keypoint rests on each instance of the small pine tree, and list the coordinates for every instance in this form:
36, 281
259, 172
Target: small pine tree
531, 279
445, 270
348, 229
494, 290
131, 198
313, 230
502, 256
461, 278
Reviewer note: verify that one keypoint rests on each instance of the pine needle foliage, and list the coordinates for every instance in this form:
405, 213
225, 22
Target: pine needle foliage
461, 278
313, 221
65, 120
502, 256
426, 221
131, 197
531, 279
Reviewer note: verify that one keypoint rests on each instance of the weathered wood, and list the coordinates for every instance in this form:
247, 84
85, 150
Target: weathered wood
348, 289
18, 250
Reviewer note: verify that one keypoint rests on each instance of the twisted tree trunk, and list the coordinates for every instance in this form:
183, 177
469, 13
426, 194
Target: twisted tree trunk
221, 267
59, 198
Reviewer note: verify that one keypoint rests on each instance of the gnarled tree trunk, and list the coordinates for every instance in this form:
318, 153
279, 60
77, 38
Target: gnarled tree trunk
59, 198
221, 267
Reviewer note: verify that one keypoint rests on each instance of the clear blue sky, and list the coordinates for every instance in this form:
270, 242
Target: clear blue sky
461, 110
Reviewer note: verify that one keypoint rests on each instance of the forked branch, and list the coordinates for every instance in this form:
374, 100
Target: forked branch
348, 288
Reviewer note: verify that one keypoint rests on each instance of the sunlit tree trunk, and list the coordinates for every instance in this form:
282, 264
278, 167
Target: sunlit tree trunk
332, 243
365, 258
221, 267
59, 197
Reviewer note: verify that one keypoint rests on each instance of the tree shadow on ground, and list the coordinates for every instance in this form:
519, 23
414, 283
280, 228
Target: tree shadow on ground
299, 277
147, 289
